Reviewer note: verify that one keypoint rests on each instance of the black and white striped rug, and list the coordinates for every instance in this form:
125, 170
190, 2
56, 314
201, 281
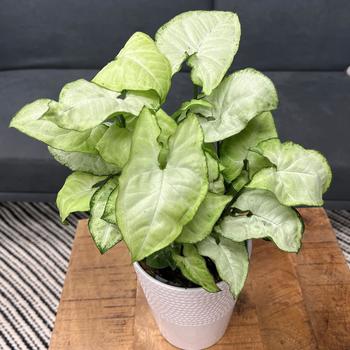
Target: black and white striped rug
34, 254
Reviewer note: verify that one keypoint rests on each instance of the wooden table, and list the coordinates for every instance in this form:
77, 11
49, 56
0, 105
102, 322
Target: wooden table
289, 301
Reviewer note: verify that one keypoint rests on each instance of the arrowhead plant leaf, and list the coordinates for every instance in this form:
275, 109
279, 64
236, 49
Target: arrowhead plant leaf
205, 218
167, 129
194, 268
114, 145
218, 186
76, 193
84, 105
213, 166
268, 219
105, 234
139, 66
238, 99
241, 181
256, 162
298, 177
234, 150
29, 121
85, 162
207, 40
154, 204
230, 258
109, 213
216, 180
181, 113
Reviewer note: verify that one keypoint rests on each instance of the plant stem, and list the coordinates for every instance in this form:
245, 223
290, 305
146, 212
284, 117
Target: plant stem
195, 91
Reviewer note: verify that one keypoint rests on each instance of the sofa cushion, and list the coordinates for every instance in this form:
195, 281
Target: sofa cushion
292, 35
26, 163
314, 111
78, 34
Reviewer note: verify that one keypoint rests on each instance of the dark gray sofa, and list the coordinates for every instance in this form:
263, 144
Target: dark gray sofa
302, 45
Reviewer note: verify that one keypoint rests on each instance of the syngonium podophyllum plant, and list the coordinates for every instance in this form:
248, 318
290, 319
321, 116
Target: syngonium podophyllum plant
184, 192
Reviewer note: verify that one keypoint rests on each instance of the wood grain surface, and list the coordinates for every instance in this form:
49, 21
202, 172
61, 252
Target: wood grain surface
290, 301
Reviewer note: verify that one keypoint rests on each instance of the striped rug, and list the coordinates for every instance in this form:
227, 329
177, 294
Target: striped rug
340, 220
34, 254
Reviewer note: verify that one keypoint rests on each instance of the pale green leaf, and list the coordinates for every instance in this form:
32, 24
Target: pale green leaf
208, 40
181, 113
256, 162
114, 145
84, 105
205, 218
269, 219
298, 177
76, 193
139, 66
213, 167
230, 258
28, 120
234, 150
241, 181
167, 126
216, 180
238, 99
109, 214
104, 234
85, 162
167, 129
217, 186
194, 268
154, 204
210, 148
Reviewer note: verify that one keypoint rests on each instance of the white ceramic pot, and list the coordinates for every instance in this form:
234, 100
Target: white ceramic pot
188, 318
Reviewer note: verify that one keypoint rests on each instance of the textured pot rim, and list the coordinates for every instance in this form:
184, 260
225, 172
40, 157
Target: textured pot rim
139, 268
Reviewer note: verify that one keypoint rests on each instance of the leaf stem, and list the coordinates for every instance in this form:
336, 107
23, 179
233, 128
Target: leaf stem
195, 91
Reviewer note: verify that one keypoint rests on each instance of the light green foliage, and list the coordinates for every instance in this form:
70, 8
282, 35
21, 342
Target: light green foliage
207, 40
105, 234
204, 220
256, 162
298, 177
240, 181
218, 186
167, 198
268, 219
234, 150
181, 113
184, 192
230, 258
85, 162
239, 98
215, 177
139, 66
28, 120
84, 105
194, 268
114, 145
109, 213
213, 166
76, 193
167, 129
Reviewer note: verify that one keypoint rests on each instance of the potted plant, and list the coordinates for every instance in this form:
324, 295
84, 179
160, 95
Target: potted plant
185, 192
